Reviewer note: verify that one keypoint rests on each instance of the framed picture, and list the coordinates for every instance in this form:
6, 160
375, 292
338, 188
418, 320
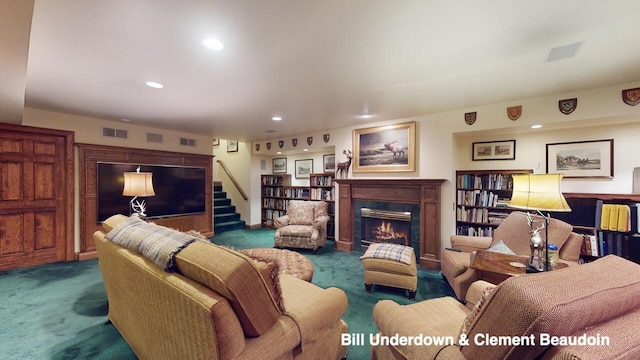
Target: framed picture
232, 146
279, 165
329, 163
216, 141
304, 168
494, 150
385, 148
581, 159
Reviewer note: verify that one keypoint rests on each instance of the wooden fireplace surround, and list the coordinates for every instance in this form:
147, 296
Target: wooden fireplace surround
425, 192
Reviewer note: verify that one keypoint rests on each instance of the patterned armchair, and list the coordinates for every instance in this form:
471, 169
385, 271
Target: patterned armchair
304, 226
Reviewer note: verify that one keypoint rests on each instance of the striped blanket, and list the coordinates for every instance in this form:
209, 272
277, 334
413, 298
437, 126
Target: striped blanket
156, 243
389, 251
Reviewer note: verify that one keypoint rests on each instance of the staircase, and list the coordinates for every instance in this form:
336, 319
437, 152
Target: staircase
225, 217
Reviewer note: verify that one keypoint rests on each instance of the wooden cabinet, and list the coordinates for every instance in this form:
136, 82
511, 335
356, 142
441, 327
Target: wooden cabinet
273, 197
321, 188
482, 199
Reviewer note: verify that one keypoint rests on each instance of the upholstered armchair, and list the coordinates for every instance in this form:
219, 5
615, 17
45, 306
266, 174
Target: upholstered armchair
304, 226
512, 233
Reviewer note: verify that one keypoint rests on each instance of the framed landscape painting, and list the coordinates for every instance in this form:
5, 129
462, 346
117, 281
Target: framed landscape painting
494, 150
329, 163
279, 165
385, 148
581, 159
304, 168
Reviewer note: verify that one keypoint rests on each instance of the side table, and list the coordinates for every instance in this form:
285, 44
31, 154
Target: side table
496, 267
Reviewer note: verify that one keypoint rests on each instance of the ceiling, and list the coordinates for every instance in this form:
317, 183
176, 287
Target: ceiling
318, 64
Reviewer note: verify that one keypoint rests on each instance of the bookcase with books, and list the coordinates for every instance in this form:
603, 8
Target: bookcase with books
273, 197
321, 188
608, 222
482, 200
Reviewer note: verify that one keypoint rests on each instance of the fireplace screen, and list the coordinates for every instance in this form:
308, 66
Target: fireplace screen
383, 226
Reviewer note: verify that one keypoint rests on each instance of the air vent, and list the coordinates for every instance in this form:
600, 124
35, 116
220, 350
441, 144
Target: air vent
188, 142
155, 138
115, 133
563, 52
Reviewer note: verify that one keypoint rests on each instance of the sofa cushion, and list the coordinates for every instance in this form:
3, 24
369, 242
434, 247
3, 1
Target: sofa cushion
235, 277
476, 310
526, 305
300, 212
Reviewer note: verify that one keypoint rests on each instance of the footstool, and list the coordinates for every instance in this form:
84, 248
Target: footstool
390, 265
289, 262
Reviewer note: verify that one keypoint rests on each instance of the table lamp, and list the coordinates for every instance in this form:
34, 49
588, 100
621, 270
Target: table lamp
138, 184
538, 192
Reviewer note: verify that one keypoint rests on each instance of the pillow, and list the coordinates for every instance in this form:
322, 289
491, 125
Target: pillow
270, 273
466, 324
501, 247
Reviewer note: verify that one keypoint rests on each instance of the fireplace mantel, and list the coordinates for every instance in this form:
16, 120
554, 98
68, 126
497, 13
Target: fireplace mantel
425, 192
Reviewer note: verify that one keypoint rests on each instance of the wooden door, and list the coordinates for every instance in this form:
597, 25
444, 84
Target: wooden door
35, 196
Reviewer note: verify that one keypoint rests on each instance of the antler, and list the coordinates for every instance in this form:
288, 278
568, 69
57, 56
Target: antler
531, 222
140, 208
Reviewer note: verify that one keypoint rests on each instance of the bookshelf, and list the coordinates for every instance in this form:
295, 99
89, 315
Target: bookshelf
273, 197
321, 188
482, 198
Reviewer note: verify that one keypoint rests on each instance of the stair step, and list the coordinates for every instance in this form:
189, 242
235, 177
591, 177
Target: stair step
222, 218
221, 202
226, 226
224, 209
219, 194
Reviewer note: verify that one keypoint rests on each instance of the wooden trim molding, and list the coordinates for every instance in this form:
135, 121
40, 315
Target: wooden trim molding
425, 192
88, 157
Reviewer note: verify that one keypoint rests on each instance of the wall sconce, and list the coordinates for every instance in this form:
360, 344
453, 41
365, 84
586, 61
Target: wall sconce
138, 184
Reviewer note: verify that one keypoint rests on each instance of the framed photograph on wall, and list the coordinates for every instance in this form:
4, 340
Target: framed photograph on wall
304, 168
385, 148
329, 163
279, 165
581, 159
232, 146
493, 150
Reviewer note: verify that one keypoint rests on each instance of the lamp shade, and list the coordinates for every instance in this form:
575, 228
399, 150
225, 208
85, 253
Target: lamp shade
538, 192
138, 184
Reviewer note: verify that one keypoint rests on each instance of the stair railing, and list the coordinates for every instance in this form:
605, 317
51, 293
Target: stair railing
233, 180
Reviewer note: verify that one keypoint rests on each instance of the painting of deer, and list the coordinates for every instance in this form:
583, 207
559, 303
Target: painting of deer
397, 150
343, 167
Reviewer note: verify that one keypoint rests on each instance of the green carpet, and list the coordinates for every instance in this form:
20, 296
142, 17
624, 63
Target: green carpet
57, 311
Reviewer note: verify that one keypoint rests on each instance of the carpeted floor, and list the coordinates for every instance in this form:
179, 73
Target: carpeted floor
57, 311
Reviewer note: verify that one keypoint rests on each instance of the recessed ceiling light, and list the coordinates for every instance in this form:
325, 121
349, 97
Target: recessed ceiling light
154, 85
213, 44
365, 116
305, 150
125, 120
276, 118
537, 126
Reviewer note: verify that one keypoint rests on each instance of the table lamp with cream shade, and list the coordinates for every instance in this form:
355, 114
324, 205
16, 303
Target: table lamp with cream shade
138, 184
538, 192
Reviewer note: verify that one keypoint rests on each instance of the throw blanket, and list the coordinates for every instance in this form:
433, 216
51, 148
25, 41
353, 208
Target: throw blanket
388, 251
156, 243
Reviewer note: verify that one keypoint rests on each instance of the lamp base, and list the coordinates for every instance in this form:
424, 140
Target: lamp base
534, 265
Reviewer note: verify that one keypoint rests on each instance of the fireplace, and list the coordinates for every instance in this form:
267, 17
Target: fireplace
383, 226
419, 197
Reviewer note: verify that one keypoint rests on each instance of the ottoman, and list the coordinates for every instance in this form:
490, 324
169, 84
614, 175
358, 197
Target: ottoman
390, 265
289, 262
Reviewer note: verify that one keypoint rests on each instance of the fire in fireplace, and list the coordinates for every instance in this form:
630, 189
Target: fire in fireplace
384, 226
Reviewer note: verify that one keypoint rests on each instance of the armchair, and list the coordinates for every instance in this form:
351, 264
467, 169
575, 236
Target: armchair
514, 233
304, 226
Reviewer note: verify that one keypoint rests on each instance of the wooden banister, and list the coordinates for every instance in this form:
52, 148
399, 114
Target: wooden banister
233, 180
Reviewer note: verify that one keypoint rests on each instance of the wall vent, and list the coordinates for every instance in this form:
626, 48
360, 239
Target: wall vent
188, 142
155, 138
115, 133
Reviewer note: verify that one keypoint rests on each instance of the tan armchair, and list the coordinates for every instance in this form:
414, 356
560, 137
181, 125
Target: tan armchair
595, 300
304, 226
514, 232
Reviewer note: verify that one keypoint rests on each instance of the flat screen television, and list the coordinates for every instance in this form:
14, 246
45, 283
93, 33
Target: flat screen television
180, 190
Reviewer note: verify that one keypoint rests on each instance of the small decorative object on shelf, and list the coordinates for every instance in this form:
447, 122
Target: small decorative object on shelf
343, 167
